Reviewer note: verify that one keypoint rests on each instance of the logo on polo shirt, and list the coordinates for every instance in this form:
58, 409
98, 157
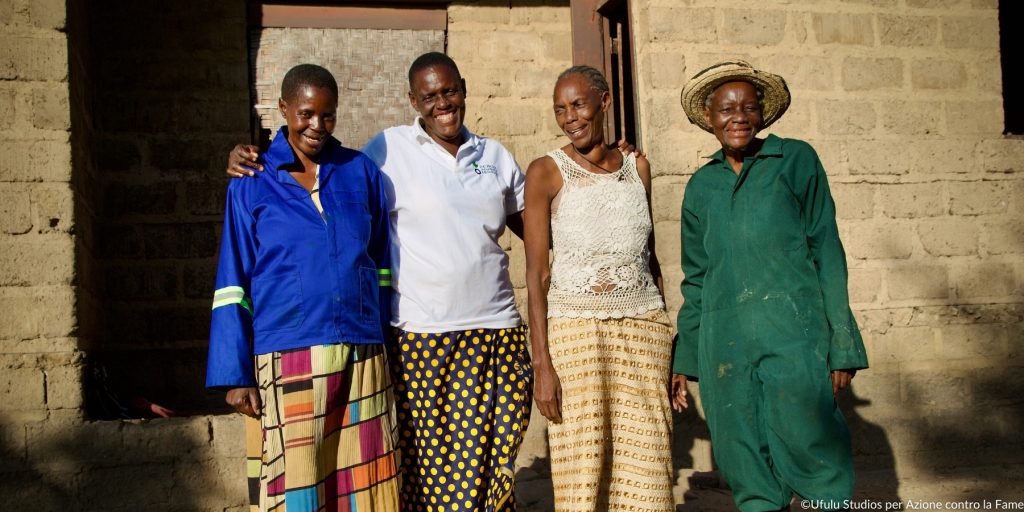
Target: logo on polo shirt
484, 168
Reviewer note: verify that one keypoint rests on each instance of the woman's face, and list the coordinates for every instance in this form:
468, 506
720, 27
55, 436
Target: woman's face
734, 115
438, 93
311, 116
579, 110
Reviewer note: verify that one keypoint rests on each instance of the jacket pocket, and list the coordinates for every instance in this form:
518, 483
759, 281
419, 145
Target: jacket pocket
353, 217
277, 303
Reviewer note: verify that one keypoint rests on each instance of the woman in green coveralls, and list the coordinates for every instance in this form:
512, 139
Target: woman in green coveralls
766, 325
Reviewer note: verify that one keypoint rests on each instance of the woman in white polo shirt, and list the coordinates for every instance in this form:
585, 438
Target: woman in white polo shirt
463, 375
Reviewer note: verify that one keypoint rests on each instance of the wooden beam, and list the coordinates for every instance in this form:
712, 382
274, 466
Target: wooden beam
587, 33
413, 17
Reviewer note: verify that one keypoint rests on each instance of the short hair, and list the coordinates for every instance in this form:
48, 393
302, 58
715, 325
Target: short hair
594, 77
307, 74
432, 59
760, 94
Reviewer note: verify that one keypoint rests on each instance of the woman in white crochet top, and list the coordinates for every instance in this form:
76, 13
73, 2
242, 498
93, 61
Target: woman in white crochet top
601, 339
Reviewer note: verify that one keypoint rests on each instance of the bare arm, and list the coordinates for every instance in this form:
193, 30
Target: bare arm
542, 184
677, 384
643, 168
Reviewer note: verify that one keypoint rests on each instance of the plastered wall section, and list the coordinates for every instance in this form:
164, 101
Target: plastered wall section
903, 101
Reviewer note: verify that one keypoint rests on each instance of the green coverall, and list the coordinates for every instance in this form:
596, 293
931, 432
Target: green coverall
766, 317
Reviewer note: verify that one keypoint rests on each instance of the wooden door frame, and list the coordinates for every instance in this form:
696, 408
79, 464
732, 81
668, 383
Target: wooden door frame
591, 46
587, 32
391, 14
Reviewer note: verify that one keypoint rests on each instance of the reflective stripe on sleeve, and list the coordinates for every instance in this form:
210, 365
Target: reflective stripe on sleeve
384, 276
231, 295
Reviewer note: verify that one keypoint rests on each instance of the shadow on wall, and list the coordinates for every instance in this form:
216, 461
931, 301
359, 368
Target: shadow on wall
707, 491
25, 487
112, 466
873, 458
162, 112
966, 448
704, 489
968, 418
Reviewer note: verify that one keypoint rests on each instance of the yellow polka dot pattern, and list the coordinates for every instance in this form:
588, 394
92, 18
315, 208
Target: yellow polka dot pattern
612, 451
463, 404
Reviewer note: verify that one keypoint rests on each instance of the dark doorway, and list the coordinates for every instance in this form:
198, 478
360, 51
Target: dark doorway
1010, 41
157, 108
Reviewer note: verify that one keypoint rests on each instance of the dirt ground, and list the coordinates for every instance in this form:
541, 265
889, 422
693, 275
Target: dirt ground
991, 488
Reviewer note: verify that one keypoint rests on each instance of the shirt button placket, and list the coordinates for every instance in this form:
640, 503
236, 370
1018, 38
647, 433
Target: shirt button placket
332, 242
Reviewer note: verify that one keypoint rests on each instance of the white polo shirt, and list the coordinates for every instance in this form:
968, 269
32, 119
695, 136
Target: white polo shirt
449, 272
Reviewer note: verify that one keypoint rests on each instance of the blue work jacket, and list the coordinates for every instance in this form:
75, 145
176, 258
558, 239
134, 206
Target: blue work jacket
289, 277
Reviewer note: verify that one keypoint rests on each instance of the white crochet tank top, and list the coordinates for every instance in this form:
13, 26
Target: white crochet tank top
599, 236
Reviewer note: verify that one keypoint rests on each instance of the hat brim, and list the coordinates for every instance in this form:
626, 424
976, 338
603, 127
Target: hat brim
775, 101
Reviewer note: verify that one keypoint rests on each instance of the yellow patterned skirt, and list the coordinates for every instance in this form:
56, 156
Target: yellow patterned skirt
612, 450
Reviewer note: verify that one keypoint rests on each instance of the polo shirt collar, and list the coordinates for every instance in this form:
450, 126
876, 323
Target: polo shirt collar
772, 147
280, 154
472, 140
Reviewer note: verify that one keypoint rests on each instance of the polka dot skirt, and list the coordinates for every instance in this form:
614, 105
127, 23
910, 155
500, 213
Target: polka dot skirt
463, 401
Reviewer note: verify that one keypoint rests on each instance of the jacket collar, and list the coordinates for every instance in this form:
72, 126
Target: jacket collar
280, 154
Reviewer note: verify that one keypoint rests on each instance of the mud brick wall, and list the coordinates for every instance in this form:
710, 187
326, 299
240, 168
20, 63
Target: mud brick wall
40, 360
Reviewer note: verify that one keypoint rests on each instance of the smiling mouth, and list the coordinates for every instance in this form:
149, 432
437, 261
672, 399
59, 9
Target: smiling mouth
446, 117
313, 141
575, 132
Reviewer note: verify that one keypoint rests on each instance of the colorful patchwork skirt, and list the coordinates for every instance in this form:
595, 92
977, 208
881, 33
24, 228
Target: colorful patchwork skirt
612, 451
463, 404
326, 440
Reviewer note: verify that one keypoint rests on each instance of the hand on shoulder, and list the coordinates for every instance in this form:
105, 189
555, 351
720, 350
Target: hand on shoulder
242, 161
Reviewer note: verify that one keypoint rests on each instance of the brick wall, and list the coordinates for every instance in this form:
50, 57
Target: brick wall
902, 100
39, 358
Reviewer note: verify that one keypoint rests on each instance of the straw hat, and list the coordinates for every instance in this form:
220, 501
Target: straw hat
776, 93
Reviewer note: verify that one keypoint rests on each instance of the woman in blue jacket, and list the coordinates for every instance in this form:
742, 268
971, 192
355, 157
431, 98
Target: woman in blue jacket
300, 313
